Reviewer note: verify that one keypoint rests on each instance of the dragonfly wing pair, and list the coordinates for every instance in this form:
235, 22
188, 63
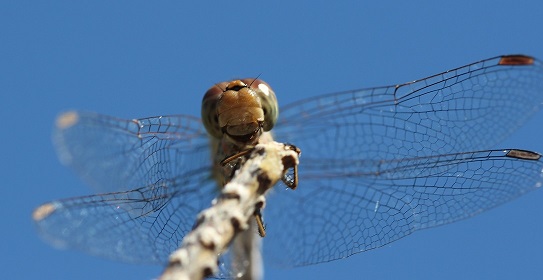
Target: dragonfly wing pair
377, 164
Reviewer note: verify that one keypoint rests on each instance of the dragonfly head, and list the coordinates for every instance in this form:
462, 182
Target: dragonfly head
240, 110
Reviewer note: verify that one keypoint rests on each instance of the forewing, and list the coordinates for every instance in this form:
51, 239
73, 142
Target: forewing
465, 109
112, 154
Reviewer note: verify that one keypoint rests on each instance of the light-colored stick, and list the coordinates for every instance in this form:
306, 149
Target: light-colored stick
230, 213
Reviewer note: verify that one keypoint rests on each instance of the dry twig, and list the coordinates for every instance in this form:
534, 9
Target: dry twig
230, 213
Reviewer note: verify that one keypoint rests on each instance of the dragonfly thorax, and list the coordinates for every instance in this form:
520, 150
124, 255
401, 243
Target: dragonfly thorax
239, 110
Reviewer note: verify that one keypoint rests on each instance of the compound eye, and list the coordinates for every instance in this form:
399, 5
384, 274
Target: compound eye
268, 101
210, 117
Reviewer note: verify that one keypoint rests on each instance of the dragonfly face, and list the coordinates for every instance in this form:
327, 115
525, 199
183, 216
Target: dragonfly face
240, 110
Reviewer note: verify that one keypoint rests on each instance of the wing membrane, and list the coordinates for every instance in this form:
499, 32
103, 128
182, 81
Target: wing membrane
143, 225
469, 108
332, 216
112, 154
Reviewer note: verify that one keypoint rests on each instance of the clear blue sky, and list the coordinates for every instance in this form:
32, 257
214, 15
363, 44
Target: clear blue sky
137, 58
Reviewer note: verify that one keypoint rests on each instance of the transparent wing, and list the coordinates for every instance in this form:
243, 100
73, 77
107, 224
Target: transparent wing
334, 214
465, 109
113, 154
143, 225
350, 199
155, 174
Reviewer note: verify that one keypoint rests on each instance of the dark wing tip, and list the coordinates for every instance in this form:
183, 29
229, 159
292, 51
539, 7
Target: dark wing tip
517, 59
523, 154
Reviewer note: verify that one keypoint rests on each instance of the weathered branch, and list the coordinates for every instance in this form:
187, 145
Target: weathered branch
231, 213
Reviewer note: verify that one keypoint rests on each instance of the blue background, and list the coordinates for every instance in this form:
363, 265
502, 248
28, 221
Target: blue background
137, 58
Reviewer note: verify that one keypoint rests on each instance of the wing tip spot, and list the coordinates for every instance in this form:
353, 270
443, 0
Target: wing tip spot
67, 120
518, 59
523, 154
43, 211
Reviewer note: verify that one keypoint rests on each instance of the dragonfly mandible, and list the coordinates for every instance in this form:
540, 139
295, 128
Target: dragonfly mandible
378, 164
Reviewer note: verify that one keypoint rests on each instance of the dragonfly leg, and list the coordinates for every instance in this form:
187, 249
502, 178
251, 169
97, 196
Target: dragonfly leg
235, 156
260, 223
258, 216
291, 182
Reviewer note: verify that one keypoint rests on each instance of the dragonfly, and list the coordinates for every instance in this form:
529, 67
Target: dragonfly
378, 164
